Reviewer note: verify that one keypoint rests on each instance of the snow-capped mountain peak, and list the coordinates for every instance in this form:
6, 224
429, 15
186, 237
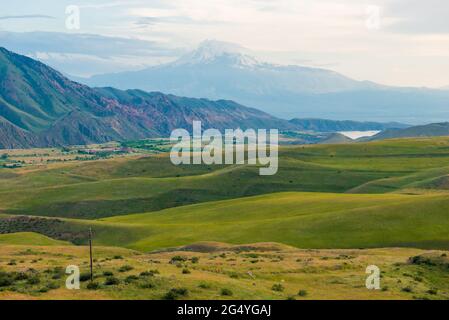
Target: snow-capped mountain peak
218, 52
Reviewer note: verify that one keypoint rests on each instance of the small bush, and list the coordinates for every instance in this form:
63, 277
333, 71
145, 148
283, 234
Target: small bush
131, 278
85, 276
432, 291
195, 259
59, 270
185, 271
93, 286
407, 289
111, 281
43, 290
52, 286
5, 279
117, 257
204, 285
174, 294
33, 280
147, 285
277, 287
108, 273
125, 268
226, 292
149, 273
20, 276
302, 293
177, 259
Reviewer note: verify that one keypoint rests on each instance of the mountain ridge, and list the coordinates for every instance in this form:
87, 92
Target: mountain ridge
428, 130
40, 107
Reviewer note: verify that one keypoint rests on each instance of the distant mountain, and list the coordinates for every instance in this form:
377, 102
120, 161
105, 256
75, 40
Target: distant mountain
429, 130
40, 107
218, 70
323, 125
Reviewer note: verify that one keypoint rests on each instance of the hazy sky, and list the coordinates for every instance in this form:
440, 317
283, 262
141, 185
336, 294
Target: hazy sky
397, 42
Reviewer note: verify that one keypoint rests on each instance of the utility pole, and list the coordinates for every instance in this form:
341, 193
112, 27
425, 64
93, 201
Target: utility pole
90, 251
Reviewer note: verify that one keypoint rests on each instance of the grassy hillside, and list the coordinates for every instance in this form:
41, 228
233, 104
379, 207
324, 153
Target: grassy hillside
96, 189
221, 271
29, 239
332, 200
303, 220
388, 193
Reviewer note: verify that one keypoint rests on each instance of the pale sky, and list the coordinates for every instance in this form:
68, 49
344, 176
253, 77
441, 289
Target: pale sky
395, 42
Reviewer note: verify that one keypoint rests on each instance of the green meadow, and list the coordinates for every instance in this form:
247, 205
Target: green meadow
385, 194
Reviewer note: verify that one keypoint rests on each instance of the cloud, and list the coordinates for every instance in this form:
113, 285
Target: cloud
418, 17
88, 54
27, 16
76, 43
150, 21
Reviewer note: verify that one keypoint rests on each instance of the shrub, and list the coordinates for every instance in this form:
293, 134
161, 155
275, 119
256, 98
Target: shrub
110, 281
33, 280
277, 287
93, 286
52, 286
204, 285
185, 271
226, 292
59, 270
131, 278
407, 289
85, 276
195, 259
5, 279
149, 273
20, 276
175, 293
432, 291
56, 276
177, 259
117, 257
302, 293
108, 273
125, 268
147, 285
43, 290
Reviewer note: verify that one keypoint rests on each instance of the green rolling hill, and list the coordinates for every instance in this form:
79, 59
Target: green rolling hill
377, 194
303, 220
